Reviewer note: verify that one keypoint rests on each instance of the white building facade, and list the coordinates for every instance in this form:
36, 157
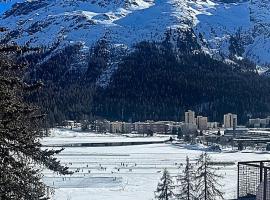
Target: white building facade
190, 117
202, 123
230, 120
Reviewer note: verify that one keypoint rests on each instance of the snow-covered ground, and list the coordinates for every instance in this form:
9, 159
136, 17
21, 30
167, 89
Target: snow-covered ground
129, 172
65, 136
6, 5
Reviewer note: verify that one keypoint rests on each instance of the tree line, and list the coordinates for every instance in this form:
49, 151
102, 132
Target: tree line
199, 182
157, 80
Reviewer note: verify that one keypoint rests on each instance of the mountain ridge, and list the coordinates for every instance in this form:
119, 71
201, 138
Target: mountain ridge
127, 22
145, 59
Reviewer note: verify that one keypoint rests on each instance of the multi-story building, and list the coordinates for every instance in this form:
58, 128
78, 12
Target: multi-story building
127, 127
259, 123
190, 117
174, 126
188, 128
159, 127
121, 127
98, 126
151, 127
212, 125
202, 122
143, 127
103, 126
230, 120
256, 123
69, 123
116, 127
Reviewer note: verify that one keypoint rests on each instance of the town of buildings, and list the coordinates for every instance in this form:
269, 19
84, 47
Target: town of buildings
259, 123
255, 135
197, 126
149, 127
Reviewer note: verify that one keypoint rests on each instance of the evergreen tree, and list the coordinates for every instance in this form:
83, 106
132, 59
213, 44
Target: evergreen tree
21, 155
180, 133
187, 137
201, 133
185, 183
174, 131
207, 179
165, 187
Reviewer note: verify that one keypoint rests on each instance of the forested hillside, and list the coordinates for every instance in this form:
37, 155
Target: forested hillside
156, 81
153, 83
144, 59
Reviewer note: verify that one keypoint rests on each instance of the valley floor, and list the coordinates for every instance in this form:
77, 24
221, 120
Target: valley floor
128, 172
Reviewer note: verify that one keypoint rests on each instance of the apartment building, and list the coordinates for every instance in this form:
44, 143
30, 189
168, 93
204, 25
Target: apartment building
190, 117
202, 123
230, 120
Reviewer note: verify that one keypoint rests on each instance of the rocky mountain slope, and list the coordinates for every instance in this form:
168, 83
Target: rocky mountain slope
152, 58
51, 23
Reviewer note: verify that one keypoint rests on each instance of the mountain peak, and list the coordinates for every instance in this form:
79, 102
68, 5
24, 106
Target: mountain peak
126, 22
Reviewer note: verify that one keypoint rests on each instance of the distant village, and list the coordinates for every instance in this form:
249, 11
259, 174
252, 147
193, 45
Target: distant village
194, 129
150, 127
197, 133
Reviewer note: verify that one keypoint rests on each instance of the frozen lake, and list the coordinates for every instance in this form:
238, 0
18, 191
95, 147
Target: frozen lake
129, 172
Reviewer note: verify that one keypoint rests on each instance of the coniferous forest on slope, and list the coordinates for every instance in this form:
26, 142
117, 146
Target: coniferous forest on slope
151, 83
155, 81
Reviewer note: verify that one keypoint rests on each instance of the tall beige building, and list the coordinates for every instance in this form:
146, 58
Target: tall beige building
116, 127
190, 117
230, 120
202, 122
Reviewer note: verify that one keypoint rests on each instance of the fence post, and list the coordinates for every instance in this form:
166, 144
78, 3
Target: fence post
265, 185
238, 184
261, 172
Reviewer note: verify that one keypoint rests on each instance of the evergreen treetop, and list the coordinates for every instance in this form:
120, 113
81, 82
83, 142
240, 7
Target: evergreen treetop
207, 180
165, 187
185, 183
21, 154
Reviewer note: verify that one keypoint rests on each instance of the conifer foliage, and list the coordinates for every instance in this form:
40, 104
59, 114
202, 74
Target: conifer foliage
197, 181
185, 183
206, 178
165, 187
21, 155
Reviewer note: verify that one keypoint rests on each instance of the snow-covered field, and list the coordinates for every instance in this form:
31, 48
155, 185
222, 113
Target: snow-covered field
65, 136
128, 172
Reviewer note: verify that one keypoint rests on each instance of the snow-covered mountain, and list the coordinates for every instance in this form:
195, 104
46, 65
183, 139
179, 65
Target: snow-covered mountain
60, 23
